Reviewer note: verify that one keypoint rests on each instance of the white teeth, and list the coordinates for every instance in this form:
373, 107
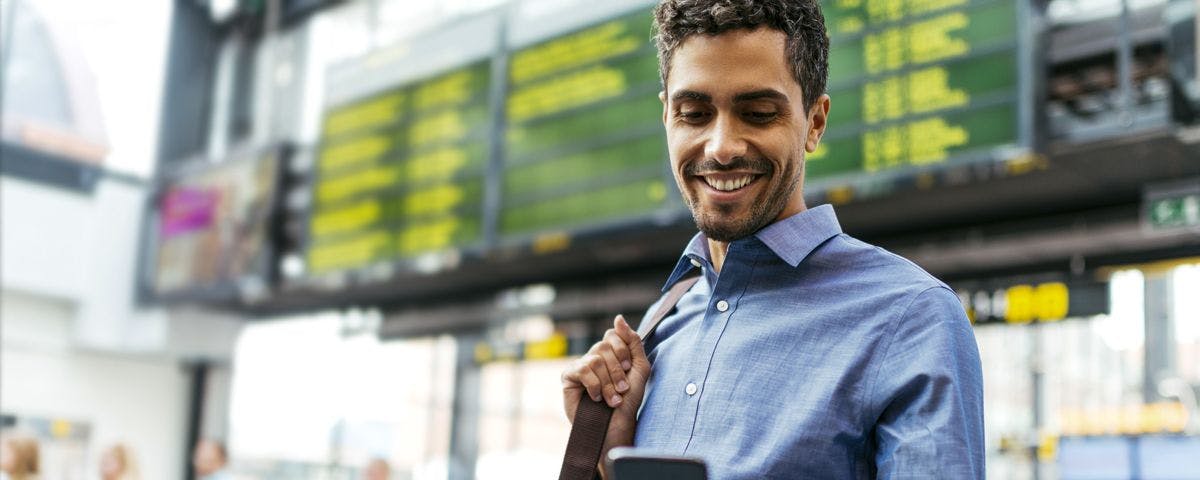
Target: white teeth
730, 184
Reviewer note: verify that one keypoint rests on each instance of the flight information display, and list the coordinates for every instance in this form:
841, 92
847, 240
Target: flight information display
578, 144
402, 173
584, 140
915, 83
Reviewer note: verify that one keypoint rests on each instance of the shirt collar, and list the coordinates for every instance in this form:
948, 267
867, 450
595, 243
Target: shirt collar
697, 249
791, 239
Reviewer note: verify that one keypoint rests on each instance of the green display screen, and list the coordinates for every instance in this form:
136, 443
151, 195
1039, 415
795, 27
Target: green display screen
584, 141
916, 83
913, 83
402, 172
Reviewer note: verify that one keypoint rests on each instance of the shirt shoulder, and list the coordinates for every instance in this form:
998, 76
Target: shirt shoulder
844, 253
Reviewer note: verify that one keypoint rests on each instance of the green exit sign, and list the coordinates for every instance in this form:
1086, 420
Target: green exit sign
1173, 208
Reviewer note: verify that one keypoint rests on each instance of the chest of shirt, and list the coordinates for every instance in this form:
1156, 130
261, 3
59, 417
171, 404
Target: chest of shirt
768, 360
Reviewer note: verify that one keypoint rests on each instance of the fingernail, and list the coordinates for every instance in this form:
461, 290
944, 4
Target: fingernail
621, 318
596, 398
616, 400
622, 386
626, 365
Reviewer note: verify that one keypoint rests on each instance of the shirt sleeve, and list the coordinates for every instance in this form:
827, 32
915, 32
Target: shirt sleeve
929, 392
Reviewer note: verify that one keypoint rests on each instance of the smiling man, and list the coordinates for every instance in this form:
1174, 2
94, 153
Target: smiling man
800, 352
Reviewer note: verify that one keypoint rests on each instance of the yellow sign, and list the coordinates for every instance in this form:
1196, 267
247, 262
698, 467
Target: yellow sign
1133, 419
551, 242
1046, 302
553, 347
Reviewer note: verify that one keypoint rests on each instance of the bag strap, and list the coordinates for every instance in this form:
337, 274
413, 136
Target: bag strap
681, 287
592, 417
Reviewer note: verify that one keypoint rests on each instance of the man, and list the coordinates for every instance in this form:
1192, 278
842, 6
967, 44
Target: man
801, 352
377, 469
209, 459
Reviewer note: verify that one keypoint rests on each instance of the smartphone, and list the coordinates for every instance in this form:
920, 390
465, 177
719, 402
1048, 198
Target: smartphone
627, 463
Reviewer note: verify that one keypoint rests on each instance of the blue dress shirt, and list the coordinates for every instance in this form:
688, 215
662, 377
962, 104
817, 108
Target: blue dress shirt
814, 355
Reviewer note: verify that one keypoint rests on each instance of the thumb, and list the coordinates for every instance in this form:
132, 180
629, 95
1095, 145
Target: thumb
636, 350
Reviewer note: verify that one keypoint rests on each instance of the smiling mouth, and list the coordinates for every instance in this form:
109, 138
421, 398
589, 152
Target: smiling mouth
729, 183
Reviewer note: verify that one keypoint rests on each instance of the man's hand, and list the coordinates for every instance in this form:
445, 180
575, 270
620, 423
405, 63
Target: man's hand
615, 369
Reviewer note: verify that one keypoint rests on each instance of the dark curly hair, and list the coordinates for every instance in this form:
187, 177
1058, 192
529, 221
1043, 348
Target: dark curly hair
806, 48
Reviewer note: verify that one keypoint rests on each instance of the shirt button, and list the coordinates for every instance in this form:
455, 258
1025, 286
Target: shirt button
722, 306
696, 263
691, 389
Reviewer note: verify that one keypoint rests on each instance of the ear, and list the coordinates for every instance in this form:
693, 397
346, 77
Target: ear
662, 97
818, 115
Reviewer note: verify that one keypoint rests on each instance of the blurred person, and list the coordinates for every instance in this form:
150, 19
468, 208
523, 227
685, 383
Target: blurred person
18, 458
815, 354
377, 469
117, 463
209, 460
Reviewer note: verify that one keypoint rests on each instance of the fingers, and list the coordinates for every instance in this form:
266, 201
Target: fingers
591, 380
602, 371
630, 337
612, 359
622, 329
619, 344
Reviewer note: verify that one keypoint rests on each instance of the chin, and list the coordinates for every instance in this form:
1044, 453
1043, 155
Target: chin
721, 228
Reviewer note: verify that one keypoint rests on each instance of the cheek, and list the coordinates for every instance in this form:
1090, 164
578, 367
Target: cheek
677, 162
683, 142
675, 153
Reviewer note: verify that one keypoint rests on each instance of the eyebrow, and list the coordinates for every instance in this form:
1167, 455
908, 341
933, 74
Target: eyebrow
691, 95
766, 93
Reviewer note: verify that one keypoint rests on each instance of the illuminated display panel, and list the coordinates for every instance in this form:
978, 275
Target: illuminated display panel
214, 223
917, 83
584, 142
402, 173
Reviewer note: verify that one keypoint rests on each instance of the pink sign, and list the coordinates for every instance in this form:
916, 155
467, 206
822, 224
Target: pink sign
187, 209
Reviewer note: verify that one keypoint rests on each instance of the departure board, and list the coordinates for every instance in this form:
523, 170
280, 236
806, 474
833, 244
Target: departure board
584, 140
402, 173
917, 83
563, 113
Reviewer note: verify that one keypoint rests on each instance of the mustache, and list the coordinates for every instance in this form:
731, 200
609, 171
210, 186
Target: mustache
754, 164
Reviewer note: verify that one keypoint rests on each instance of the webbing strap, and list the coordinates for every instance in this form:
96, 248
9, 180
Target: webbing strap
591, 417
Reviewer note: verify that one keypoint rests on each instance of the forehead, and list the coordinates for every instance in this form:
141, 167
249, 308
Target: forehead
732, 62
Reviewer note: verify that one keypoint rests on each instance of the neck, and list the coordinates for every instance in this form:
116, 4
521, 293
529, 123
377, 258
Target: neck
716, 253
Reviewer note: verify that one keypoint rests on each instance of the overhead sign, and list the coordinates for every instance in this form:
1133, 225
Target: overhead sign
1018, 302
915, 85
213, 228
584, 140
402, 173
1172, 207
543, 130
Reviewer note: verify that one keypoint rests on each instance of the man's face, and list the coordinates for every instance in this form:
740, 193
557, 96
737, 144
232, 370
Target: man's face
377, 470
737, 131
207, 458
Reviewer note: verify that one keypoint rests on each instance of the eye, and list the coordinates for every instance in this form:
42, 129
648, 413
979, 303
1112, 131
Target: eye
760, 116
694, 116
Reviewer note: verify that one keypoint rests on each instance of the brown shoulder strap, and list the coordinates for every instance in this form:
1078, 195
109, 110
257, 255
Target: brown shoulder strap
586, 440
681, 287
592, 417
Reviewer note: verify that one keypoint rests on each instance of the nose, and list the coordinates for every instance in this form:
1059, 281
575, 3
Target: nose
725, 142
